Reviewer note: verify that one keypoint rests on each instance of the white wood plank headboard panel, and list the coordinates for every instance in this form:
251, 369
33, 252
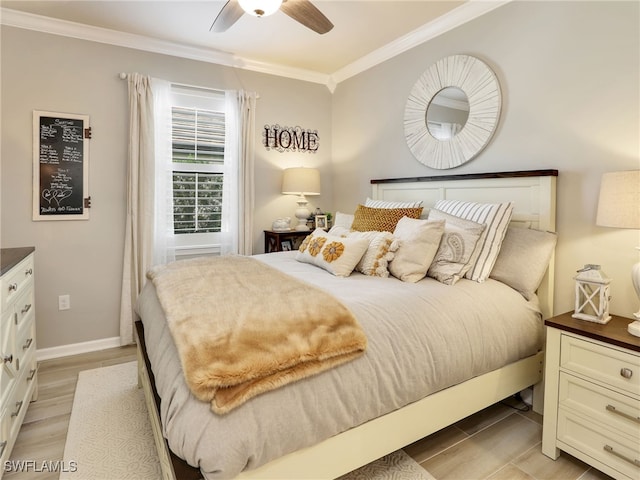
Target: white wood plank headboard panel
532, 192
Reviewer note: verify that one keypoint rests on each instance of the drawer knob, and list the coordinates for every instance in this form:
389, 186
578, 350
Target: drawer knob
27, 344
13, 287
28, 272
632, 461
7, 359
626, 372
25, 309
32, 373
3, 445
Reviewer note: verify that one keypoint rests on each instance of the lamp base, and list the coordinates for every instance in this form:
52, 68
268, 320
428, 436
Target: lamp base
302, 213
634, 328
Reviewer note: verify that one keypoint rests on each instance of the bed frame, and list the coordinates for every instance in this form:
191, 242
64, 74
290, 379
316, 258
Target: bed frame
534, 197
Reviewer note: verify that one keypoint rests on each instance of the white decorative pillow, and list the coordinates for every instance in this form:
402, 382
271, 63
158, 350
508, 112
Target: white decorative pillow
496, 217
524, 258
381, 250
343, 220
419, 240
457, 247
387, 204
336, 255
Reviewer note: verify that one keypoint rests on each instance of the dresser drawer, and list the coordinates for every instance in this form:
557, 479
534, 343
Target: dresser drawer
24, 307
8, 356
608, 365
620, 412
4, 438
16, 281
616, 451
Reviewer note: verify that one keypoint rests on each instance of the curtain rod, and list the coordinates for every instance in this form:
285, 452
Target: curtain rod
123, 76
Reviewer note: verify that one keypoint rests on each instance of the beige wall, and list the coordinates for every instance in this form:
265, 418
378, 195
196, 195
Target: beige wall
570, 84
84, 258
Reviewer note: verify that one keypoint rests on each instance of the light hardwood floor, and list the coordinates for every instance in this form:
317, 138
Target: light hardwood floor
498, 443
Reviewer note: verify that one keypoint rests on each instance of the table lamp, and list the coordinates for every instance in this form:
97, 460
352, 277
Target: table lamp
301, 181
619, 206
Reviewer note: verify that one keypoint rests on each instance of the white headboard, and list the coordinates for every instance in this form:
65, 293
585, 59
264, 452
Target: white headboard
532, 192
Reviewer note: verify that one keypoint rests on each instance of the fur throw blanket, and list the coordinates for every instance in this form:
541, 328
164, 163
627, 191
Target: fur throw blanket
243, 328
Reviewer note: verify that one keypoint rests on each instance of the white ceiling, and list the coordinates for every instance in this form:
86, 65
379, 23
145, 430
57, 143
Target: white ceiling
364, 33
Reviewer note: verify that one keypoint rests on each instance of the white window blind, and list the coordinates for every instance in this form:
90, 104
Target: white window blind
198, 139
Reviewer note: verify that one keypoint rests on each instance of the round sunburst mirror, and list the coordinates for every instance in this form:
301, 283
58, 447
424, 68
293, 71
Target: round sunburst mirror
452, 111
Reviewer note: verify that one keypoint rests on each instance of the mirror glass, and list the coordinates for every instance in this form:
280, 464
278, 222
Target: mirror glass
447, 113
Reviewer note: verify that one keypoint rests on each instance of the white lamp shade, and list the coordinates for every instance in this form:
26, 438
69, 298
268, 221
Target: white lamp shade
619, 202
301, 181
260, 8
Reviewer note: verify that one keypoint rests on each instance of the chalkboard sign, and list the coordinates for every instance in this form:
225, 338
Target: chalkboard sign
60, 166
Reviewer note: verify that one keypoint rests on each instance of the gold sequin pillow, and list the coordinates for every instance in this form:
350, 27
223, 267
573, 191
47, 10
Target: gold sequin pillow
367, 219
336, 255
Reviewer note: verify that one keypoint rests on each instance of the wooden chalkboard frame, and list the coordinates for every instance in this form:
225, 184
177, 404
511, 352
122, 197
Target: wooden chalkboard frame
60, 166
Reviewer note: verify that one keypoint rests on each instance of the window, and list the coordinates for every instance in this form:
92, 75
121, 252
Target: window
197, 151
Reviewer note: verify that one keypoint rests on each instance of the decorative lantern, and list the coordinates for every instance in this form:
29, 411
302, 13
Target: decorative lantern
592, 295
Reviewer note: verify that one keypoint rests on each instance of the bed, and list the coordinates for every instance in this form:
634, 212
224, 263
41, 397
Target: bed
257, 441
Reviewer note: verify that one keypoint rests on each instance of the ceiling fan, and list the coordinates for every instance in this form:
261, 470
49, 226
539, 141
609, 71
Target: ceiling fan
302, 11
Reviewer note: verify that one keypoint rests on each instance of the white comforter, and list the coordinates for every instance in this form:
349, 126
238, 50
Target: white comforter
422, 337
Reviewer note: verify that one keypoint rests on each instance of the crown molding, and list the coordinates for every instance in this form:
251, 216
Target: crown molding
54, 26
464, 13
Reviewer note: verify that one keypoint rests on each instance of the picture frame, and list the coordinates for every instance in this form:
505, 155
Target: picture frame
286, 245
321, 221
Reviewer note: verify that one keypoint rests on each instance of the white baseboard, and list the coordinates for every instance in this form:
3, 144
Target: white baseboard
76, 348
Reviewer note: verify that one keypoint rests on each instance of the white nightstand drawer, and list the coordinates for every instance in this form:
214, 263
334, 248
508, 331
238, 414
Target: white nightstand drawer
609, 365
620, 412
615, 451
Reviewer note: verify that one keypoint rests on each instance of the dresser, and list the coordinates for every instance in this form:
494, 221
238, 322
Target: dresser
18, 372
592, 394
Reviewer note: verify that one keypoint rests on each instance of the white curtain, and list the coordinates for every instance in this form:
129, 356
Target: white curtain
148, 229
238, 190
138, 245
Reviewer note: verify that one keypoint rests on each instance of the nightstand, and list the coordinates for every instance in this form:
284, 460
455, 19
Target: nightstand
592, 394
280, 241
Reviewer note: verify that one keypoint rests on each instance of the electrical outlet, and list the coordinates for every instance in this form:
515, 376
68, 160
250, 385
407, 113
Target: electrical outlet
64, 302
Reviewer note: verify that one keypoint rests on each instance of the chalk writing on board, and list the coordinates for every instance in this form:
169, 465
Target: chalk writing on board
61, 166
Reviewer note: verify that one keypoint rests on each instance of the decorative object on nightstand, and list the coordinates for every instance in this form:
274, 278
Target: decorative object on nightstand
301, 181
281, 224
592, 294
619, 207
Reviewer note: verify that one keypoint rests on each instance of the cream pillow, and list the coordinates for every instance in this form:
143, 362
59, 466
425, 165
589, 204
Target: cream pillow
524, 258
336, 255
456, 251
419, 240
381, 250
344, 220
496, 217
367, 219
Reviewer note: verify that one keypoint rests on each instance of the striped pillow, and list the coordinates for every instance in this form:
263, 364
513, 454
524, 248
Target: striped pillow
496, 217
386, 204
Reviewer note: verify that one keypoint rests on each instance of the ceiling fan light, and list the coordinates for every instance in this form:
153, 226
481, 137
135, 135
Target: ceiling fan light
260, 8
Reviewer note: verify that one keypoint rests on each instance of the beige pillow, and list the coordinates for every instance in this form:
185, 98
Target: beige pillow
336, 255
524, 258
457, 247
367, 219
419, 240
342, 220
496, 217
381, 251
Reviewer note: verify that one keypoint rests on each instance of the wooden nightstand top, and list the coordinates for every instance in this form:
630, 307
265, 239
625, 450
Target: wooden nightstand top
615, 332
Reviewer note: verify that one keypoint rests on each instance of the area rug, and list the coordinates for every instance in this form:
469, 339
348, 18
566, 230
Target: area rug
110, 436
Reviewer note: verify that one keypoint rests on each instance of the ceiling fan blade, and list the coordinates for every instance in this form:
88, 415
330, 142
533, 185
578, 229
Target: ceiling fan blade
229, 15
307, 14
